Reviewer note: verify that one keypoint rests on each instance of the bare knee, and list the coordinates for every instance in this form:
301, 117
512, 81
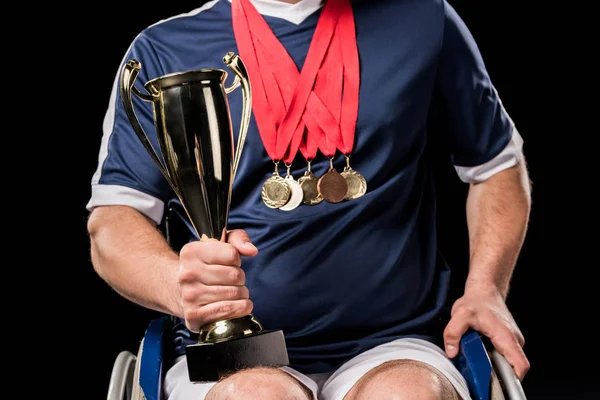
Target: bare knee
259, 384
403, 380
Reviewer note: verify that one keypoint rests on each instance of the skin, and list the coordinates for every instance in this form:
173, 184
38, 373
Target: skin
203, 284
497, 217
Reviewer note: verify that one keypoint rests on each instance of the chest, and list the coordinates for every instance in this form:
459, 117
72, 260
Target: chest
398, 43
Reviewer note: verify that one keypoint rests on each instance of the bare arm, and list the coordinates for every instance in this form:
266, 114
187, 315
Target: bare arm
133, 257
497, 216
203, 284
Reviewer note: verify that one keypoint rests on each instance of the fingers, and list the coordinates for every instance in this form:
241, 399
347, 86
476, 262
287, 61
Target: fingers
508, 345
211, 252
200, 316
211, 282
239, 239
199, 295
520, 338
212, 275
456, 328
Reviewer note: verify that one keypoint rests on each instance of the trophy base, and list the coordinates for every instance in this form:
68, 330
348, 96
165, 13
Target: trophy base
208, 362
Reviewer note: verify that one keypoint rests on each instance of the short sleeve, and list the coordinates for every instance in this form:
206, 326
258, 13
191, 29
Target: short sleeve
126, 174
483, 138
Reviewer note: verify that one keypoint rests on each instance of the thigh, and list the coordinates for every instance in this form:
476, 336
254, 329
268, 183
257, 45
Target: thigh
342, 380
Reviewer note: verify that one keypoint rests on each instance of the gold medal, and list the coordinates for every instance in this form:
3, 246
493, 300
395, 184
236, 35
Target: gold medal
275, 191
357, 184
296, 195
308, 182
332, 186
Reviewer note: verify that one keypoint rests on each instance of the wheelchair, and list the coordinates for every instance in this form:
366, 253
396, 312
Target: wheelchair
140, 376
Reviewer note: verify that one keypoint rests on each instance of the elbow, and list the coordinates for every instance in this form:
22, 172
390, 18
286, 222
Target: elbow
94, 229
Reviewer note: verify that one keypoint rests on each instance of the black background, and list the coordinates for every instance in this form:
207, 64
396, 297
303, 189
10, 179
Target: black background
551, 291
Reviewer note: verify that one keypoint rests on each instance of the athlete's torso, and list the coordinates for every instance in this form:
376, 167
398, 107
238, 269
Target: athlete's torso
339, 278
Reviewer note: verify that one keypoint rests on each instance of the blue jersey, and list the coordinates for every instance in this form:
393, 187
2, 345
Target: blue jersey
338, 279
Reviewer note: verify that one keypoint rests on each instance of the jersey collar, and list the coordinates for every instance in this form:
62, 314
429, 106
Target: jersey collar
294, 13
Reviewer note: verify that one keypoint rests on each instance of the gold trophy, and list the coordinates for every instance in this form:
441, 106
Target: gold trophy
193, 125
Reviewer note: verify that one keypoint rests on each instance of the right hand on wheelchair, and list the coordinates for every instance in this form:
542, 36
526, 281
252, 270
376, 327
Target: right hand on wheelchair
212, 284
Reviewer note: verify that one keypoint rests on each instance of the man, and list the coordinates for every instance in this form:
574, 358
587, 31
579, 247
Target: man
357, 286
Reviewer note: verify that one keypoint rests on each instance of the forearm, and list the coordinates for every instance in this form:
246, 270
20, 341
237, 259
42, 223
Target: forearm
132, 256
497, 217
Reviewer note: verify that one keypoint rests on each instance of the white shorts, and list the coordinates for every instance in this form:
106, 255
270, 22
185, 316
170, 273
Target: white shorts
334, 385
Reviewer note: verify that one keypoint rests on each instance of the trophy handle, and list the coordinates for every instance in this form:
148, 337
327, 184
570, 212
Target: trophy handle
235, 64
129, 74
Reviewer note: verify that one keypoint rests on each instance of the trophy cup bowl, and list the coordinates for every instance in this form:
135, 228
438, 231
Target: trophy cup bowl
193, 126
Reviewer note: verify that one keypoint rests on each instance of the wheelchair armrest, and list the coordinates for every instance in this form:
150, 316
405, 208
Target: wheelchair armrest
486, 371
153, 357
121, 378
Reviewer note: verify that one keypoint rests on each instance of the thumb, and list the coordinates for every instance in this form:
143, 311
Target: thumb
241, 241
454, 331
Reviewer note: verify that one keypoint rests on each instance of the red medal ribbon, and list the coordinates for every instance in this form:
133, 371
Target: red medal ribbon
308, 110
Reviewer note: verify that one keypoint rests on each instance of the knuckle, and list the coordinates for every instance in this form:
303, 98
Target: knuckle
230, 255
465, 312
186, 274
236, 275
470, 310
451, 333
458, 304
188, 295
185, 251
188, 251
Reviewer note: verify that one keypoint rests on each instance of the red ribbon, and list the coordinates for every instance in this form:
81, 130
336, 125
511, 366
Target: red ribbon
308, 110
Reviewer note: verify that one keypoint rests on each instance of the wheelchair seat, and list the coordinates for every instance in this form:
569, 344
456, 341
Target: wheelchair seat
140, 377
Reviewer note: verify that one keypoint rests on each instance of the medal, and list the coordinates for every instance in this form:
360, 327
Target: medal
308, 110
275, 191
357, 184
332, 186
296, 195
309, 182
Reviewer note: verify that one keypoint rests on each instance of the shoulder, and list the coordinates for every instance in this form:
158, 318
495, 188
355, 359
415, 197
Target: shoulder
421, 15
195, 21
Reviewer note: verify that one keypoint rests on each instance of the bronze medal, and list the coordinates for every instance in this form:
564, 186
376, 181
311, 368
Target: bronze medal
332, 186
275, 191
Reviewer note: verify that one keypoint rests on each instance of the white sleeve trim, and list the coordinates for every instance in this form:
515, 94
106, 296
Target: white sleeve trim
509, 157
111, 195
